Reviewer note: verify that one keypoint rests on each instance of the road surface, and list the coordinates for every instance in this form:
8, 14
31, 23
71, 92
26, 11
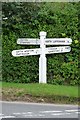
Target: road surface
38, 110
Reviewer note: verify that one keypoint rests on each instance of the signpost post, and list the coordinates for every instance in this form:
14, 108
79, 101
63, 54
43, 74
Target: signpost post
43, 50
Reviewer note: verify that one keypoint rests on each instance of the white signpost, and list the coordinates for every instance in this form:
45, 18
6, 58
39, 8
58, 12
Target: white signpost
28, 41
63, 49
43, 50
26, 52
49, 41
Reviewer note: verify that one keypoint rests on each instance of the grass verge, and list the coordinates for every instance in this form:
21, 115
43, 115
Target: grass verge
40, 93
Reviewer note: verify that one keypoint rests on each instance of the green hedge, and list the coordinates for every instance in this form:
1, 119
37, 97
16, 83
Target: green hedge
27, 20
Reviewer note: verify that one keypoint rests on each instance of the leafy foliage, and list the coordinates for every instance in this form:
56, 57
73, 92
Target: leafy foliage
27, 20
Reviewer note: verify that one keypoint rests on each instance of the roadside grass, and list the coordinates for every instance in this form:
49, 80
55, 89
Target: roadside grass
44, 89
57, 93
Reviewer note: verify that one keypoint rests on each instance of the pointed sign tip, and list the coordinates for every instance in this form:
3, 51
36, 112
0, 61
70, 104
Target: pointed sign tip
13, 53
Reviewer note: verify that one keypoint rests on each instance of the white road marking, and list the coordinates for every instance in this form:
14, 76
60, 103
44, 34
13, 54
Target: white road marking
1, 114
23, 113
8, 116
41, 115
61, 113
29, 112
71, 110
77, 112
16, 113
28, 115
34, 115
57, 114
49, 111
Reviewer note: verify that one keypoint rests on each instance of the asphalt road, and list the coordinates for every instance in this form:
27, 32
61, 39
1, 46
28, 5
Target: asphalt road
38, 110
